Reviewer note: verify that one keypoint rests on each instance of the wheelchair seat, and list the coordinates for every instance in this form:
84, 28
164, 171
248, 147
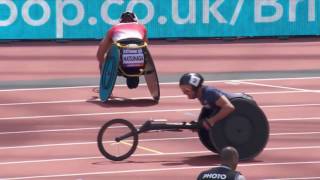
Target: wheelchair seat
132, 57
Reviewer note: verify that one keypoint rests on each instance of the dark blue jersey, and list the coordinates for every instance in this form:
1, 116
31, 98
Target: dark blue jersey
210, 96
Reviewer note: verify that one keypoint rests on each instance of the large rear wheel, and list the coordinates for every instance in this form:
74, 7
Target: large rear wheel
246, 129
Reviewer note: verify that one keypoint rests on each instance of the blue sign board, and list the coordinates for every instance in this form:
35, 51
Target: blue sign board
90, 19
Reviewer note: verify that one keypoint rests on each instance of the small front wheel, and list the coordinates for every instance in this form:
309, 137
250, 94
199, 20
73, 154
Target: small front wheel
110, 146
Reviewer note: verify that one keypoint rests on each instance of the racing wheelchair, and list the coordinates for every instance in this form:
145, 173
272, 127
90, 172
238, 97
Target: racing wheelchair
131, 59
246, 129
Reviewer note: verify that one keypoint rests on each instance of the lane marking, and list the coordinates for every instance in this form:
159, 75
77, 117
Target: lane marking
291, 148
143, 148
289, 105
50, 88
294, 133
167, 83
295, 178
48, 130
141, 140
294, 119
280, 87
162, 169
136, 98
138, 112
146, 155
96, 128
92, 142
100, 157
152, 154
99, 114
48, 102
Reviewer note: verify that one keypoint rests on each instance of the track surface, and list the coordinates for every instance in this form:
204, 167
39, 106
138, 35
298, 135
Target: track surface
50, 133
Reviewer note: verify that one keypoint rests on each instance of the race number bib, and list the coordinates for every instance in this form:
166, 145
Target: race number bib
132, 58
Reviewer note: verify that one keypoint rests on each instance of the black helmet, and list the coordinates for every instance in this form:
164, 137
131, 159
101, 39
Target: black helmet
193, 79
128, 17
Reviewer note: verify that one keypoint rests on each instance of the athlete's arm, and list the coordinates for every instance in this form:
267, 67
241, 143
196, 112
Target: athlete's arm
104, 45
225, 109
145, 37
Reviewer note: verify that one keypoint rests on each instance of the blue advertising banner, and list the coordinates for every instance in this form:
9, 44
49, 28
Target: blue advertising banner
90, 19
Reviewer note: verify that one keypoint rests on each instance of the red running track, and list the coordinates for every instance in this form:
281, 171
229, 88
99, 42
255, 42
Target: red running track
51, 133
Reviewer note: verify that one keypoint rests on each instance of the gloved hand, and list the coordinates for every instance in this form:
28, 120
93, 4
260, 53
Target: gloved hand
207, 124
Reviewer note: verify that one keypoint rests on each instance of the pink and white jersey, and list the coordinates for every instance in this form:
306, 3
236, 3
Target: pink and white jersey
127, 30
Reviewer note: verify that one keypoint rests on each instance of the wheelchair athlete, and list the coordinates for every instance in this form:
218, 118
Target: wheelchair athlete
212, 99
128, 28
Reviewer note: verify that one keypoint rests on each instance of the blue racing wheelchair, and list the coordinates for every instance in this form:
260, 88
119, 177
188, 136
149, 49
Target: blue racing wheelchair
131, 59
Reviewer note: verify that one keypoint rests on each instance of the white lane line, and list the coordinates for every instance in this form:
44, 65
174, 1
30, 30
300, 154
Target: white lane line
294, 133
135, 98
49, 102
138, 112
43, 89
93, 142
96, 128
289, 105
168, 83
279, 79
72, 87
48, 145
49, 130
101, 157
141, 140
275, 86
99, 114
148, 154
292, 148
294, 119
83, 100
161, 169
274, 92
295, 178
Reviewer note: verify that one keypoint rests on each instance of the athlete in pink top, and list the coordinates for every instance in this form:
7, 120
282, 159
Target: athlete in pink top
127, 28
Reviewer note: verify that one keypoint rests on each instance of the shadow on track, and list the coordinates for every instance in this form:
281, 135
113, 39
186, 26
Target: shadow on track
123, 102
206, 160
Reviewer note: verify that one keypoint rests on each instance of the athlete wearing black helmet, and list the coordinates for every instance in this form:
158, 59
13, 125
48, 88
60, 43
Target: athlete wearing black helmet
128, 17
191, 85
193, 79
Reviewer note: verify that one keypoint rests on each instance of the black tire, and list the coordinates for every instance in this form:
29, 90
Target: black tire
203, 133
204, 137
105, 145
246, 129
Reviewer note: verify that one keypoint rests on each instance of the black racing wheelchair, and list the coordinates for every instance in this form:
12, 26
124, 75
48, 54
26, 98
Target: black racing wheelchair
131, 59
246, 129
